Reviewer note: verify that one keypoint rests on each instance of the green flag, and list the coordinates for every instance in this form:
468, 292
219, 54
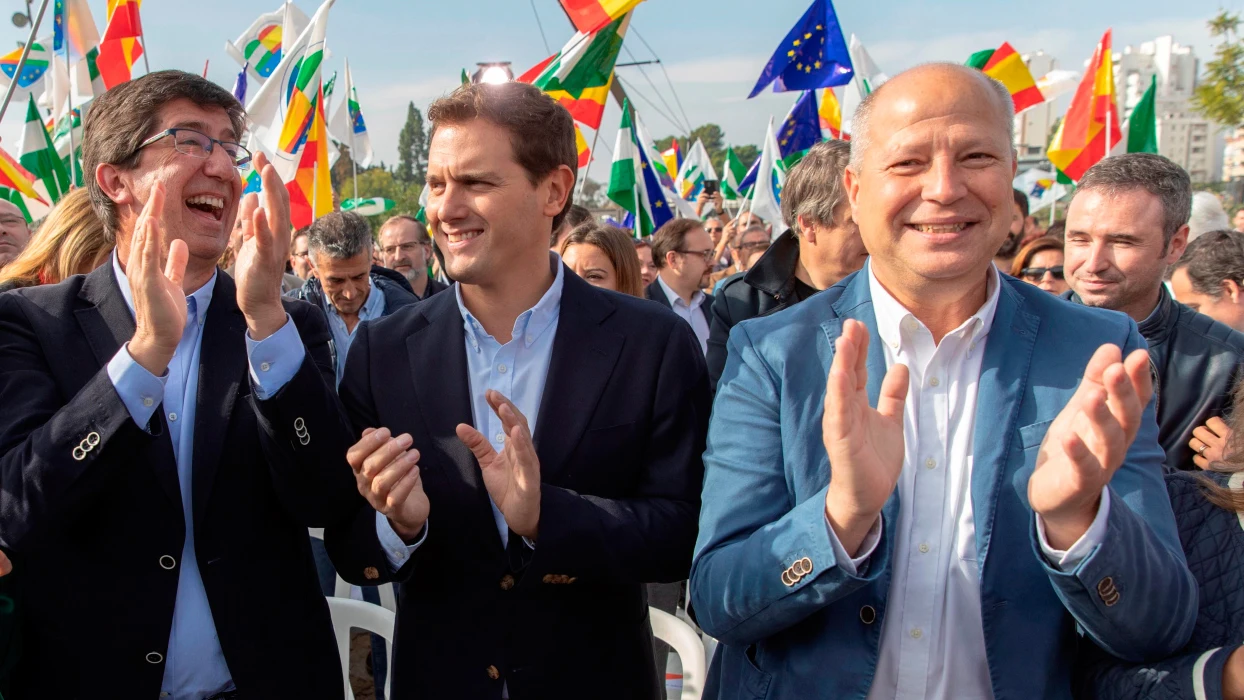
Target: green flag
465, 78
39, 155
733, 172
1142, 130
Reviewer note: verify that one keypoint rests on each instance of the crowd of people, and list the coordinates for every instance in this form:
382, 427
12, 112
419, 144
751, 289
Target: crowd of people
914, 446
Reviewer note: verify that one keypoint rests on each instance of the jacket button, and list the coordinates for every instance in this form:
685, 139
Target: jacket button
167, 563
868, 614
371, 573
155, 657
787, 579
507, 582
493, 673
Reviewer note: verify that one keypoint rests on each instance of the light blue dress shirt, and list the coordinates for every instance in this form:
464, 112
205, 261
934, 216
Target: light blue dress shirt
517, 369
194, 665
373, 308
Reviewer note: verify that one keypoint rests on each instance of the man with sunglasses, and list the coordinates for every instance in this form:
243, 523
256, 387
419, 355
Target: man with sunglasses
163, 554
683, 253
1127, 223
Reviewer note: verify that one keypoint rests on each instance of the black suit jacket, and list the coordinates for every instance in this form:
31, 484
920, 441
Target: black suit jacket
621, 431
655, 292
98, 540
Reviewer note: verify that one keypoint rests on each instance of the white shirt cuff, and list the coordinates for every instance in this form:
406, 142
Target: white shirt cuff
1067, 561
275, 359
846, 562
395, 549
141, 391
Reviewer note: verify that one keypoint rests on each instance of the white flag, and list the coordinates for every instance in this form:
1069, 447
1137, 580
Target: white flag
868, 76
770, 176
696, 168
261, 46
1042, 188
347, 125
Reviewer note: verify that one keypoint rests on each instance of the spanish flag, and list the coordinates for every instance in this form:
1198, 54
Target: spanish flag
1081, 137
15, 177
120, 47
1006, 66
830, 113
580, 143
590, 15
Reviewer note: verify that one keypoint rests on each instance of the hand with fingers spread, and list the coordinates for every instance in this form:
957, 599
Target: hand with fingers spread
511, 476
1209, 441
386, 471
265, 250
865, 444
1088, 442
156, 286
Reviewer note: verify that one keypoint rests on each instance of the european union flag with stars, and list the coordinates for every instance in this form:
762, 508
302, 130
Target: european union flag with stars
813, 55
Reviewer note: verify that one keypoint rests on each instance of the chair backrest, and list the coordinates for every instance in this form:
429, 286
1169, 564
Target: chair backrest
686, 643
350, 614
342, 590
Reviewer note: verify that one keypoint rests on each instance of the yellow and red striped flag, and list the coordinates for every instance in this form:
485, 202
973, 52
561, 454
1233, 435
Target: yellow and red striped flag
120, 47
1080, 141
830, 113
580, 143
14, 176
590, 15
1007, 67
580, 75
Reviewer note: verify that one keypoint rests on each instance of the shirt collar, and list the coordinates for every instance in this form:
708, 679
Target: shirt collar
202, 296
530, 324
374, 306
675, 298
891, 315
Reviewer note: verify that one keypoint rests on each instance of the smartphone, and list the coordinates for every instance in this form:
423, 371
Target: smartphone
711, 187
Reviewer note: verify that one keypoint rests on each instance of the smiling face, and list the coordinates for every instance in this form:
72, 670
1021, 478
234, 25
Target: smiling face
931, 192
1115, 253
492, 223
202, 195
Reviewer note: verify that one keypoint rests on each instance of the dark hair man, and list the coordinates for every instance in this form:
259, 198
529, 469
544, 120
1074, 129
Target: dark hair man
683, 254
300, 256
528, 445
136, 430
822, 246
1125, 225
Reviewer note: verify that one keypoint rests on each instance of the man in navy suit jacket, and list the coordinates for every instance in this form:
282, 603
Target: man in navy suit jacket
954, 523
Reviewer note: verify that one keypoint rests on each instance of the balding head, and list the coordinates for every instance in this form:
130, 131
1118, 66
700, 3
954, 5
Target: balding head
14, 233
930, 176
911, 83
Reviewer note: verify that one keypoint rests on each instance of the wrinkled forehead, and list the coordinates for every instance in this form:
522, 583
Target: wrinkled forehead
184, 114
9, 210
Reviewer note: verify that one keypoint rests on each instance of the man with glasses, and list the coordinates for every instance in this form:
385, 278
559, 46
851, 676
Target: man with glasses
683, 253
138, 401
14, 232
300, 256
407, 249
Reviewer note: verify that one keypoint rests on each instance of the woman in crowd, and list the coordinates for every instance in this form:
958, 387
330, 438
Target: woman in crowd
647, 268
1041, 263
604, 256
1209, 277
1209, 509
70, 242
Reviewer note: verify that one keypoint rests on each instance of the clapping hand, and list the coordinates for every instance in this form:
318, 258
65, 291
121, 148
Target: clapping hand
864, 444
156, 287
1087, 443
511, 476
386, 472
265, 250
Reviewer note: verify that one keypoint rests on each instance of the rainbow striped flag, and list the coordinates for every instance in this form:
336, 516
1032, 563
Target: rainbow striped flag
590, 15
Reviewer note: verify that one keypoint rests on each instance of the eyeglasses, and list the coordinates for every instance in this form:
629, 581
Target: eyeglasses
303, 254
197, 144
707, 253
405, 248
1036, 274
754, 245
714, 229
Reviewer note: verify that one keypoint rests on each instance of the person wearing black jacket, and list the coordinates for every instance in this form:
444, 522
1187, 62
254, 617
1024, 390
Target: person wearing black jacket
1126, 224
822, 246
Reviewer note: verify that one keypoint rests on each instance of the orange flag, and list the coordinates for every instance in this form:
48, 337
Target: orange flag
120, 46
1081, 140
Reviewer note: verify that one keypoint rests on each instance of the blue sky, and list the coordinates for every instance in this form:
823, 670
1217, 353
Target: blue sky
414, 50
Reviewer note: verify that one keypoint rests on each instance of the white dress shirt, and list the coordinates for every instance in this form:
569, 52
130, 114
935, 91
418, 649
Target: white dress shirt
932, 636
691, 313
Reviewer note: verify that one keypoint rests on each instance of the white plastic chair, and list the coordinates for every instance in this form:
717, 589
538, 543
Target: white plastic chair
341, 589
349, 614
686, 643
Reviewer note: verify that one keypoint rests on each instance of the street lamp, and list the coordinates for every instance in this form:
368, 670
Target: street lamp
493, 73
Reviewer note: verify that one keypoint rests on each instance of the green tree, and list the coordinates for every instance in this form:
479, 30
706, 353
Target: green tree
412, 148
593, 195
379, 182
747, 154
714, 144
1220, 95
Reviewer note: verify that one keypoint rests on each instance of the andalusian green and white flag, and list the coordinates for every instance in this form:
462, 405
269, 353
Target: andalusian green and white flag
347, 125
369, 206
39, 156
633, 182
422, 215
771, 175
733, 172
868, 76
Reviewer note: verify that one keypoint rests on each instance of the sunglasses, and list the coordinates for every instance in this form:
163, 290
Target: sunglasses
1036, 274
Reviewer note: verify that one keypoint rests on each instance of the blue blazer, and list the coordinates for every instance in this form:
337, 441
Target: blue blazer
766, 474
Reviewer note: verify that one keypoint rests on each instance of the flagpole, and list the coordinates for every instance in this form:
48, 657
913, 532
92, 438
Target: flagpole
21, 61
147, 65
73, 154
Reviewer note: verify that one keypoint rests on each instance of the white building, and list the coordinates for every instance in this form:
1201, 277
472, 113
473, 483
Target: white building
1033, 127
1185, 137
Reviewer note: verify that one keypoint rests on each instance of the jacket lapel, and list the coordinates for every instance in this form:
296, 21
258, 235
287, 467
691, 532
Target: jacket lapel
108, 324
584, 355
442, 389
1003, 381
657, 294
222, 370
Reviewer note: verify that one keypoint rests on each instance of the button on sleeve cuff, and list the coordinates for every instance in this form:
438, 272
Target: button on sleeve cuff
395, 549
141, 391
275, 359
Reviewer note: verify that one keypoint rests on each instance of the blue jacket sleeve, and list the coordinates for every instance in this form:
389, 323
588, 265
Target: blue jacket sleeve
1134, 594
737, 587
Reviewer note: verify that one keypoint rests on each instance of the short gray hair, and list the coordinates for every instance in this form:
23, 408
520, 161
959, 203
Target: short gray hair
860, 140
340, 235
1155, 174
1207, 215
814, 186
